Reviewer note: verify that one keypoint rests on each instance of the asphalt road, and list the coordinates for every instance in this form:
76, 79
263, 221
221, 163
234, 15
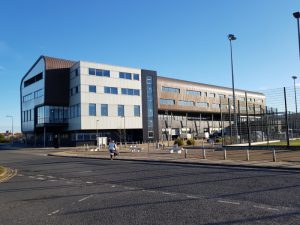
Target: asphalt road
55, 190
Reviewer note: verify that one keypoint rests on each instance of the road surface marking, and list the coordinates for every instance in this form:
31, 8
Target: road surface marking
40, 178
87, 171
192, 196
228, 202
20, 175
113, 186
50, 177
52, 180
40, 175
54, 212
31, 177
85, 198
89, 182
264, 207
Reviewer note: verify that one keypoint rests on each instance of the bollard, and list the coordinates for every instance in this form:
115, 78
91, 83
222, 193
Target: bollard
274, 155
248, 155
185, 153
225, 153
203, 153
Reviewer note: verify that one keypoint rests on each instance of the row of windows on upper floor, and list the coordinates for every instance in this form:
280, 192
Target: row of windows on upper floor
104, 110
208, 94
200, 104
106, 73
33, 95
107, 90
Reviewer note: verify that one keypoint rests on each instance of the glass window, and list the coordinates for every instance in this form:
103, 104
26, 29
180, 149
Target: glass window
136, 77
125, 75
170, 89
212, 95
190, 92
167, 101
120, 110
106, 73
221, 95
111, 90
92, 71
202, 104
92, 88
76, 72
130, 91
92, 109
136, 92
215, 106
104, 109
186, 103
98, 72
76, 89
136, 110
124, 91
39, 93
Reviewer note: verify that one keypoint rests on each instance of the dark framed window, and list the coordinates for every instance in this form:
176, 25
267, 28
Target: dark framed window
92, 88
136, 76
111, 90
137, 110
92, 109
125, 75
120, 110
92, 71
104, 109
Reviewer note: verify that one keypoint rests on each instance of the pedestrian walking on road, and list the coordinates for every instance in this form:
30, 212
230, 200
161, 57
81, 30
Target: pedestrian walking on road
113, 149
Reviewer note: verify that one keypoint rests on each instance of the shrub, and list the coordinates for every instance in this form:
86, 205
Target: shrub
218, 140
179, 142
191, 141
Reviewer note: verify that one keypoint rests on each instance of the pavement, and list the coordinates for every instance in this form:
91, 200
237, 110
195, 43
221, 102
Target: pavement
257, 159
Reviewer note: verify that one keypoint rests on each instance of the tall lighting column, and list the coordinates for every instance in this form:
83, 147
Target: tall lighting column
231, 38
297, 16
294, 78
12, 129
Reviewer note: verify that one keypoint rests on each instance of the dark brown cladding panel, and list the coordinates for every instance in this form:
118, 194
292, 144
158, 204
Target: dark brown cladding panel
57, 81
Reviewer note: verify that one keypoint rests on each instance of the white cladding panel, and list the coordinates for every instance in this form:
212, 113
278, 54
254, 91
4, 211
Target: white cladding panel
29, 105
84, 97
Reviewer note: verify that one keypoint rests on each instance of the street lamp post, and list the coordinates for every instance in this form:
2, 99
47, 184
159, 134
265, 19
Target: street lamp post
12, 129
97, 133
297, 16
294, 78
231, 38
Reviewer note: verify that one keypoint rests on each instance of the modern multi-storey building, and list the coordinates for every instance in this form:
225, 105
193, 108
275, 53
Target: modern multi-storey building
77, 101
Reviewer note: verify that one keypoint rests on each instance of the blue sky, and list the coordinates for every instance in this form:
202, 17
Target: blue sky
185, 39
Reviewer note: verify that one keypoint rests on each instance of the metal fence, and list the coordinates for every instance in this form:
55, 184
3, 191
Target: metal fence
276, 120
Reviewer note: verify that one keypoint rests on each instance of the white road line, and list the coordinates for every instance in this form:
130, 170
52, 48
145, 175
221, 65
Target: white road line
228, 202
89, 182
20, 175
192, 196
113, 186
54, 212
52, 180
264, 207
40, 175
50, 177
31, 177
85, 198
40, 178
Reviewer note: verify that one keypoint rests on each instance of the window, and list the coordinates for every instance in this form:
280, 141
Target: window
163, 101
215, 106
76, 72
136, 76
190, 92
170, 89
128, 91
111, 90
92, 88
28, 97
92, 109
136, 110
34, 79
76, 89
125, 75
74, 111
92, 71
120, 110
202, 104
104, 109
102, 73
212, 95
39, 93
221, 96
185, 103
